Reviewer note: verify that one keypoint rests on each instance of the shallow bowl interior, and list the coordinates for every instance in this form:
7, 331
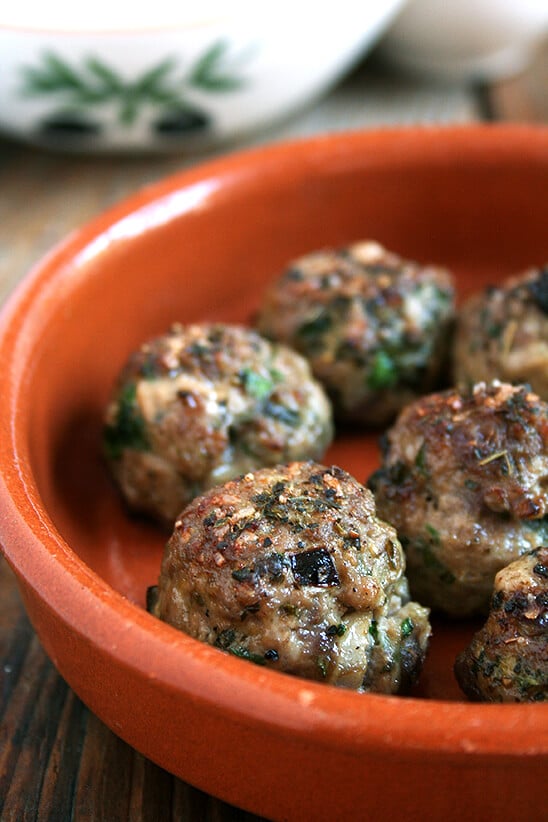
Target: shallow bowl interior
202, 246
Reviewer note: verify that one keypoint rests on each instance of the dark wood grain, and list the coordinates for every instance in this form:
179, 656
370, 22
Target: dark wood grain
60, 762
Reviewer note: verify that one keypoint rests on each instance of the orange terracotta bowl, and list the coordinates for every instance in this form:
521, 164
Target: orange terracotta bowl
202, 245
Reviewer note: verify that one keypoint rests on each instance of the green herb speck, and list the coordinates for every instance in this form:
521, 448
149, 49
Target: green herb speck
420, 461
256, 385
279, 412
128, 429
314, 328
407, 627
383, 372
434, 533
336, 630
243, 653
322, 663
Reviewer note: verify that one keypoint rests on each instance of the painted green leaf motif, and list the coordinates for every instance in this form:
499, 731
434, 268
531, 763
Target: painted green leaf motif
151, 82
95, 83
105, 75
57, 74
209, 74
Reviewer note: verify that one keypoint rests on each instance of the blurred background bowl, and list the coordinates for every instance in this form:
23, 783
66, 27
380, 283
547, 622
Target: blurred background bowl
467, 39
160, 79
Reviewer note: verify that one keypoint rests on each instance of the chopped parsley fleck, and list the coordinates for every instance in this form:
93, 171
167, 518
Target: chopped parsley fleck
336, 630
383, 372
149, 368
226, 641
243, 653
198, 349
225, 638
497, 600
420, 461
374, 630
128, 429
494, 330
281, 413
310, 331
398, 472
430, 559
256, 385
407, 627
322, 663
434, 533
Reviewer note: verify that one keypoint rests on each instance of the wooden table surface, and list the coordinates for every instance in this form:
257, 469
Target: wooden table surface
57, 760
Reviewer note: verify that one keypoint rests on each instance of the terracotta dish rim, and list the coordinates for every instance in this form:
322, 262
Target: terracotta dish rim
90, 607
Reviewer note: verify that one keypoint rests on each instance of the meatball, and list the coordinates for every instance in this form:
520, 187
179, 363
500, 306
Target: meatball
507, 660
290, 567
374, 327
205, 403
464, 480
503, 334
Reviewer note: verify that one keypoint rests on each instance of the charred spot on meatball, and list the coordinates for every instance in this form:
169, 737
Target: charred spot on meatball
290, 567
502, 333
204, 403
374, 327
507, 660
464, 480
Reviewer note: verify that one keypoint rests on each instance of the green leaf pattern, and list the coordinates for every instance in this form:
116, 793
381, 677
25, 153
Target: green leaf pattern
93, 83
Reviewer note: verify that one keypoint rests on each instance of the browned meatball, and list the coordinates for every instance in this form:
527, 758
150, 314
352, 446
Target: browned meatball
503, 334
205, 403
290, 567
464, 480
507, 660
374, 327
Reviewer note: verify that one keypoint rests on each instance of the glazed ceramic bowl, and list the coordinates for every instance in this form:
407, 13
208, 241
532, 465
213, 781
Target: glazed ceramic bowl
467, 39
163, 78
203, 245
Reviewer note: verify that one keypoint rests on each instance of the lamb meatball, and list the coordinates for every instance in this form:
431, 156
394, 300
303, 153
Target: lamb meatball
507, 660
503, 333
374, 327
464, 480
290, 567
205, 403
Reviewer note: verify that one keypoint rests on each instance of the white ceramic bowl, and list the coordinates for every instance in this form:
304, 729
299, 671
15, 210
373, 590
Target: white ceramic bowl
163, 77
467, 39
